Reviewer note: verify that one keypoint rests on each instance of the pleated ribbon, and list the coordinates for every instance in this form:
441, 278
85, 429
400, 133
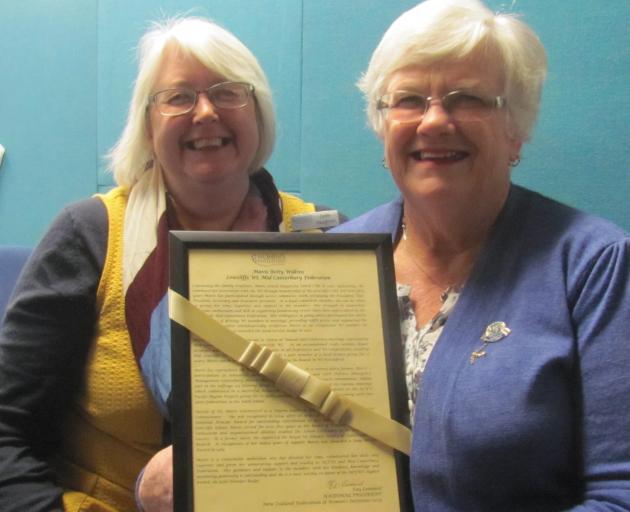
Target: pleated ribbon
289, 378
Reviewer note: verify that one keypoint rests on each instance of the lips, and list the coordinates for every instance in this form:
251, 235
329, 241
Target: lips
207, 143
439, 156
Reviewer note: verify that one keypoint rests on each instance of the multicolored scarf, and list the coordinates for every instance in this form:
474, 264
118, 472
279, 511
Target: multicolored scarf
148, 218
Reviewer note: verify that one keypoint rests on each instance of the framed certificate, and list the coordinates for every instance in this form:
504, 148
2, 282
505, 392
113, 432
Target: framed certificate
320, 312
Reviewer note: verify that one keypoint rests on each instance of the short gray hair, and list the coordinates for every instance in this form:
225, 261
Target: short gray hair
217, 49
436, 31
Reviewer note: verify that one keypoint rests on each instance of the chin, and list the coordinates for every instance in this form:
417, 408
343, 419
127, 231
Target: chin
214, 174
427, 187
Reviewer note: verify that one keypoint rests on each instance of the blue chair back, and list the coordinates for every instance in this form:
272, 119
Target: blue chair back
12, 260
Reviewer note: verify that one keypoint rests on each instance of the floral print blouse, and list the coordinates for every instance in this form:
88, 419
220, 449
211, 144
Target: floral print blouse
418, 344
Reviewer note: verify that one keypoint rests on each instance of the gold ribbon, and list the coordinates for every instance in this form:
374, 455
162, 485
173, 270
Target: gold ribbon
289, 378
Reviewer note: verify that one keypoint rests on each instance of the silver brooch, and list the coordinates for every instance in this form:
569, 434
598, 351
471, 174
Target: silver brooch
496, 331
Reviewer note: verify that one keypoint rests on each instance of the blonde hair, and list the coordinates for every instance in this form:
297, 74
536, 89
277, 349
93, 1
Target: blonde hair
436, 31
217, 49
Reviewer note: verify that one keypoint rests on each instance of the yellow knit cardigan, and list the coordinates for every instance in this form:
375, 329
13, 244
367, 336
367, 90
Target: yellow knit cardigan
114, 428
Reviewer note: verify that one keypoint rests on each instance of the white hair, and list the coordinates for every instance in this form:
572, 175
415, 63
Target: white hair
439, 31
217, 49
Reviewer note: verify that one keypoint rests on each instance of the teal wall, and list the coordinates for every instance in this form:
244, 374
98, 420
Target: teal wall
67, 68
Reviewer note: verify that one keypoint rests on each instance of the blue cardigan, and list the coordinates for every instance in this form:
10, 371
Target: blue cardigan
542, 421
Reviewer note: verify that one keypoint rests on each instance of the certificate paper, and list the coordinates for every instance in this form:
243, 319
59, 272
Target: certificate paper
325, 303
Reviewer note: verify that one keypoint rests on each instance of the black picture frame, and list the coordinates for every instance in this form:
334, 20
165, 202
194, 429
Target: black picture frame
181, 242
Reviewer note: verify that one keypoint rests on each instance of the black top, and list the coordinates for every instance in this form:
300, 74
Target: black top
44, 343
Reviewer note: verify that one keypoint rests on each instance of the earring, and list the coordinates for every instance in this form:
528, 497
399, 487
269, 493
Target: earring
515, 161
384, 163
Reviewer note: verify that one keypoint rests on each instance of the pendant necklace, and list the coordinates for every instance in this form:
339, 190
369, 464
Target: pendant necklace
444, 291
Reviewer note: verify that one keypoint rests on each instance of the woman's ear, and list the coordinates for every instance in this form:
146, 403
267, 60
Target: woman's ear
515, 149
147, 122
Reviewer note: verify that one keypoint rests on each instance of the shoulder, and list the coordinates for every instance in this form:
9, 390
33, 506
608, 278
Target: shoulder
382, 219
299, 214
293, 202
555, 245
85, 219
87, 211
77, 236
545, 220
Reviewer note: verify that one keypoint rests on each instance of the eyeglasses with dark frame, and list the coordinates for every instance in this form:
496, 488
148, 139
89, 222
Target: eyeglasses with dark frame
182, 100
410, 107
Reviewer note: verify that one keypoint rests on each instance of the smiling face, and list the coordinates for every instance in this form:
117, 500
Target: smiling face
441, 161
208, 146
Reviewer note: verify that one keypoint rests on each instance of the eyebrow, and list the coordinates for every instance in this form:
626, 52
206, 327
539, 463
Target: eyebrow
176, 85
465, 84
469, 84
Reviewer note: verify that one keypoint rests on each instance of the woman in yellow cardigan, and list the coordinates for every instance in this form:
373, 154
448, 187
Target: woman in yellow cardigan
84, 350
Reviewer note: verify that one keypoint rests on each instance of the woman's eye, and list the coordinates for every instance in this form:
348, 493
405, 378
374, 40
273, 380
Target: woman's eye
410, 101
466, 101
225, 94
178, 98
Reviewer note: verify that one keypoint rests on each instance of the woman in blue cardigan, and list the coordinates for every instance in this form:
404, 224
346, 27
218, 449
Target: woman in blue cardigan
515, 309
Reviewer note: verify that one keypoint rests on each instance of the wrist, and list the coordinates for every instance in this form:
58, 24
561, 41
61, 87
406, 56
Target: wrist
137, 491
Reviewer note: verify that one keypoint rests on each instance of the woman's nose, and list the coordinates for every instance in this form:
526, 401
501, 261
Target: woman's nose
204, 109
436, 118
